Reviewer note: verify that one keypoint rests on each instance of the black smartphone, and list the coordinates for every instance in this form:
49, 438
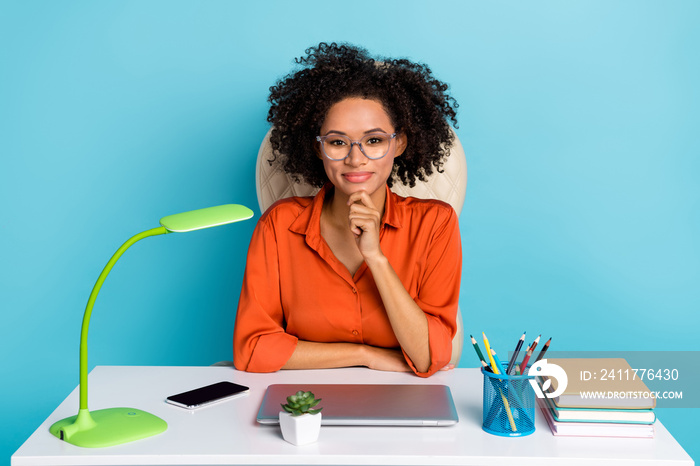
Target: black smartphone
207, 395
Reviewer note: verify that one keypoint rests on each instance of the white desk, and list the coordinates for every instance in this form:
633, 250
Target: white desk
227, 433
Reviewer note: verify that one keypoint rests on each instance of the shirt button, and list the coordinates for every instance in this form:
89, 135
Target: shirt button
354, 290
355, 332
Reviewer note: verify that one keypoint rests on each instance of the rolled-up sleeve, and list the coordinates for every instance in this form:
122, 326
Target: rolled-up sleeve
438, 295
260, 343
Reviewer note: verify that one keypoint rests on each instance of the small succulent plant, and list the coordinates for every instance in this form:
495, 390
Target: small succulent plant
301, 403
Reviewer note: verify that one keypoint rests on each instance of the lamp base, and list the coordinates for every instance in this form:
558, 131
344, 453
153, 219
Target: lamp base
107, 427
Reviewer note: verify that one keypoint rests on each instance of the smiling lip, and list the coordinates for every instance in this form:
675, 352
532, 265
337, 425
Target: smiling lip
357, 177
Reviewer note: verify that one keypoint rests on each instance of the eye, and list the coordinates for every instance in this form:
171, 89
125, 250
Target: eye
374, 139
336, 142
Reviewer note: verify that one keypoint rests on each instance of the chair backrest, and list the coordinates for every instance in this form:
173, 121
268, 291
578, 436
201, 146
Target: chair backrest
449, 186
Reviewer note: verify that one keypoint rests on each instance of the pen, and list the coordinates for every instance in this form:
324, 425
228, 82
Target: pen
544, 350
515, 354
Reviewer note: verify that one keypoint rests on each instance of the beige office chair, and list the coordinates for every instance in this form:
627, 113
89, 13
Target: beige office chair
450, 186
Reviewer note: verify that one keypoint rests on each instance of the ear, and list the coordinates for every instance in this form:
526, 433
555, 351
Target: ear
401, 143
317, 150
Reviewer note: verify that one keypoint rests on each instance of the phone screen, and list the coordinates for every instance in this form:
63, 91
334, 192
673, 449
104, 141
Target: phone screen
206, 395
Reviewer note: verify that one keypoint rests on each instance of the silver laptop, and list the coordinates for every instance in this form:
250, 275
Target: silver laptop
369, 405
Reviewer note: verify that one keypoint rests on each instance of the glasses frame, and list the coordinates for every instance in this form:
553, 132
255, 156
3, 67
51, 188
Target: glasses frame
321, 140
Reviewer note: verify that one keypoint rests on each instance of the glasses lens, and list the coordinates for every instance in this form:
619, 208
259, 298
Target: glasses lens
336, 147
376, 145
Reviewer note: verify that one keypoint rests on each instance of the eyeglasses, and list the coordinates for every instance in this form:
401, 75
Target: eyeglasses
338, 147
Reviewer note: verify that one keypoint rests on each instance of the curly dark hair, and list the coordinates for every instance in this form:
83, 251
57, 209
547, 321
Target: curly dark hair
417, 104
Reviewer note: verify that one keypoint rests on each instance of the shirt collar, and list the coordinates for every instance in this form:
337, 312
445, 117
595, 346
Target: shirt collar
391, 209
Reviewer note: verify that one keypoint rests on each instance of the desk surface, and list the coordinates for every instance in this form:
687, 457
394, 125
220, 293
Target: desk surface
227, 433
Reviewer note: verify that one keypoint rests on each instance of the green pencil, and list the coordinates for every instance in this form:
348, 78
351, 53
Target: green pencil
478, 351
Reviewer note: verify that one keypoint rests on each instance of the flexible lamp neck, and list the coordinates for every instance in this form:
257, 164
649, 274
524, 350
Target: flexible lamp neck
91, 302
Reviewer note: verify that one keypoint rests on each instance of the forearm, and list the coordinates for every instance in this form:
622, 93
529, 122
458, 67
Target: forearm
313, 355
408, 321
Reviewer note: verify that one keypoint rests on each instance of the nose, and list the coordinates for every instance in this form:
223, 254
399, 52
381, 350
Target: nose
355, 158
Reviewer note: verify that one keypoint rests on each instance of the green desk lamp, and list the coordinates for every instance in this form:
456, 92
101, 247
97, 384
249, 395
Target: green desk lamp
114, 426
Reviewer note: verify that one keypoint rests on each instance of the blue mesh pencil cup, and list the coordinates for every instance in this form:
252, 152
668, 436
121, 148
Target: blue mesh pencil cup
509, 404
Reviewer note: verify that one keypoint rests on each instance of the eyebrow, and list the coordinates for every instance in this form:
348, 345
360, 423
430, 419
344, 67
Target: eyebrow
373, 130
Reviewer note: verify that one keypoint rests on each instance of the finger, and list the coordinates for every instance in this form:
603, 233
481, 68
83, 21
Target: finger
366, 222
355, 228
359, 225
369, 218
363, 198
359, 210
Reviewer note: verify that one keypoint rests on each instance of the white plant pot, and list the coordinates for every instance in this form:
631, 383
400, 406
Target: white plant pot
300, 430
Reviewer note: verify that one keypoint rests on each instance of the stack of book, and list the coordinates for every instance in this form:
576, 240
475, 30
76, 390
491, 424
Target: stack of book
603, 398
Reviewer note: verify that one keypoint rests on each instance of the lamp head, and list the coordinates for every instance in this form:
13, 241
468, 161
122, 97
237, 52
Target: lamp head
205, 218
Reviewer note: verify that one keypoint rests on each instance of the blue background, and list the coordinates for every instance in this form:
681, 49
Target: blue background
579, 120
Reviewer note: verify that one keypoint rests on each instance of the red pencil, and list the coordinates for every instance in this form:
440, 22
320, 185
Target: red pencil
518, 366
523, 365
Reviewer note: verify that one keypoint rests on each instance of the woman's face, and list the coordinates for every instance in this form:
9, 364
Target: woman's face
356, 117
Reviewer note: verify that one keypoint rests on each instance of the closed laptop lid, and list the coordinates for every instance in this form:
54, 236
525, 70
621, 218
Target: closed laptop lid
378, 405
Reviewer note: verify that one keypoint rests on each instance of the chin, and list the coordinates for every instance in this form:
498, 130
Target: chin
350, 188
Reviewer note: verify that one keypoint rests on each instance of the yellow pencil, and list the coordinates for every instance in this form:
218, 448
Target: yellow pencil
494, 366
508, 412
488, 352
505, 400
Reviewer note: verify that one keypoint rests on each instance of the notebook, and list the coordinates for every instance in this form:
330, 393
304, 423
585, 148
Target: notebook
636, 416
368, 405
595, 429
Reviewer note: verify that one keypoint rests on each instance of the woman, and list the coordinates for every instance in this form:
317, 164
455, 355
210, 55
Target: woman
355, 276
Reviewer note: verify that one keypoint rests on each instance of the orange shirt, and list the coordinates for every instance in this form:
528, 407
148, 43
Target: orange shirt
295, 288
